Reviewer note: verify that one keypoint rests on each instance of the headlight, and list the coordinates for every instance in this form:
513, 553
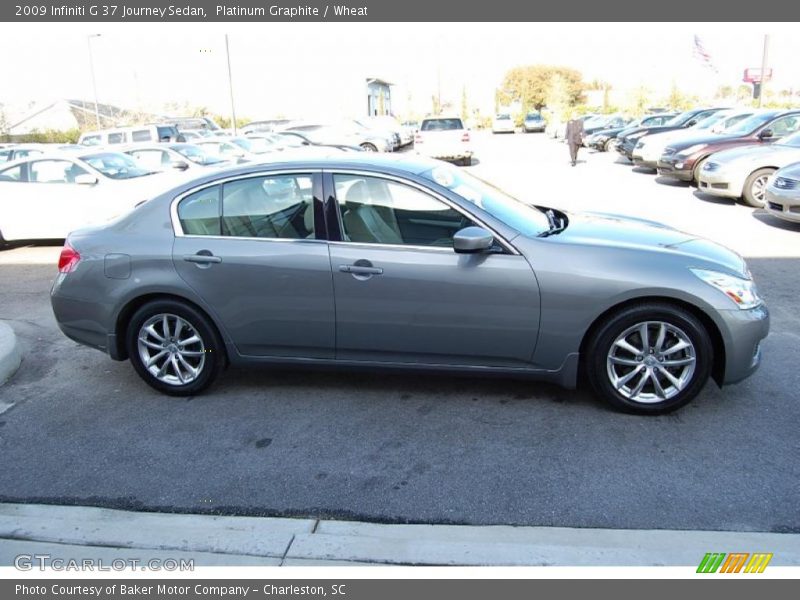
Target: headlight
692, 149
742, 292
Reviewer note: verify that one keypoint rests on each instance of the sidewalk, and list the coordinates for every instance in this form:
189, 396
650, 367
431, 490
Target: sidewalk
69, 532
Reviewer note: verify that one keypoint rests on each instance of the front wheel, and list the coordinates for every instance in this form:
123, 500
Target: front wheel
367, 147
174, 347
755, 188
609, 146
466, 161
649, 358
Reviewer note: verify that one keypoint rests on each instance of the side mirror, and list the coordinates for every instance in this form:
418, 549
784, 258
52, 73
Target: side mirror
472, 240
180, 165
691, 123
86, 179
765, 134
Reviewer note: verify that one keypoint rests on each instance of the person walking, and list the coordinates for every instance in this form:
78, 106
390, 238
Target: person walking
574, 137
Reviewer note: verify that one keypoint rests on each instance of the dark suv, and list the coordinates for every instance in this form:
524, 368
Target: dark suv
684, 159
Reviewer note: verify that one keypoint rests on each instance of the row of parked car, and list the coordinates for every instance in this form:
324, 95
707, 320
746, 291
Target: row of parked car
746, 154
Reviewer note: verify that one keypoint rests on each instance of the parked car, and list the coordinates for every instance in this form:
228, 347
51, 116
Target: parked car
389, 123
783, 193
367, 127
192, 135
605, 122
238, 148
743, 172
684, 160
126, 135
335, 135
411, 264
182, 157
650, 148
445, 138
503, 123
269, 125
17, 151
605, 139
296, 139
533, 122
46, 197
205, 124
627, 142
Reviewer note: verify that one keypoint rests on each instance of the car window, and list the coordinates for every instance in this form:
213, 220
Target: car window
91, 140
116, 165
11, 174
199, 212
785, 126
380, 211
27, 153
141, 135
116, 138
54, 171
152, 159
441, 124
273, 206
5, 155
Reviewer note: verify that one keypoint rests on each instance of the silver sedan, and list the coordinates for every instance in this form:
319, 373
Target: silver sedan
406, 263
783, 194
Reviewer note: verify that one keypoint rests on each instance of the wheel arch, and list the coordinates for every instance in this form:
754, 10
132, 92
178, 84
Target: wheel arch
715, 336
118, 349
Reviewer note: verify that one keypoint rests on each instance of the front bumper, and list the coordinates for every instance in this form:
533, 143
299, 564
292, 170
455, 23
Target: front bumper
676, 168
719, 183
533, 127
743, 332
783, 204
626, 148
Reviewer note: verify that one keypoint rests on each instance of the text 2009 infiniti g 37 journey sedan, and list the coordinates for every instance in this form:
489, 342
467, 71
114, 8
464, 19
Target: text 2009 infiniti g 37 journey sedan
406, 263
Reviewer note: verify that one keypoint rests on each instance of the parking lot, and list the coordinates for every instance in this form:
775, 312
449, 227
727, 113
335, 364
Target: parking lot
80, 428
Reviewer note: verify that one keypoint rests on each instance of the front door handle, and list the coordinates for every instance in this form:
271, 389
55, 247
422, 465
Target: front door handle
359, 270
202, 259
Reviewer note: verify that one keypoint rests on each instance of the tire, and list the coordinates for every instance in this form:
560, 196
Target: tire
696, 171
466, 161
607, 359
367, 147
206, 355
752, 195
609, 145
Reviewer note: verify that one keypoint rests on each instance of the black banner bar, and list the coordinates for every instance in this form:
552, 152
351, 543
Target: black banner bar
400, 10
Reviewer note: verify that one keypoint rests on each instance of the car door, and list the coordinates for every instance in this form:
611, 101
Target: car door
51, 204
253, 250
404, 295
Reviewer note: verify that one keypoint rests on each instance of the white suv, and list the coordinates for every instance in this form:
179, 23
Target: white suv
445, 138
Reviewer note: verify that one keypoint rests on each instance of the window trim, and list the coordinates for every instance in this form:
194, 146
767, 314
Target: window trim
178, 230
331, 194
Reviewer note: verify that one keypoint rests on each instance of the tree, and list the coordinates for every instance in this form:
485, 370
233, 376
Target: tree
677, 100
531, 85
639, 101
558, 98
464, 103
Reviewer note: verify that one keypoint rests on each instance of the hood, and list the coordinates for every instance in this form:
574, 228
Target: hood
709, 138
760, 153
610, 230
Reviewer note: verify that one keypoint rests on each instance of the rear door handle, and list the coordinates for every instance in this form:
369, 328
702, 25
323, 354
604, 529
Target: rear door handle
202, 259
358, 270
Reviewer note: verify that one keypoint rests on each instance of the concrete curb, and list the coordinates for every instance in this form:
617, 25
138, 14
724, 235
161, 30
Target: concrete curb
10, 353
77, 531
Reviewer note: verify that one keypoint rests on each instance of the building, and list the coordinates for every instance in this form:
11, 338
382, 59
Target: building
379, 97
65, 115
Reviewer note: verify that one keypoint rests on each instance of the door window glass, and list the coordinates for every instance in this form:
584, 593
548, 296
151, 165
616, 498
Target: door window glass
54, 171
199, 212
381, 211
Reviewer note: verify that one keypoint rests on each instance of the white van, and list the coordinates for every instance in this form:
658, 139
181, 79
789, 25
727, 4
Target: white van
127, 135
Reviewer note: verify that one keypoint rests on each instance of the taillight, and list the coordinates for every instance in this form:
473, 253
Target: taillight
69, 259
465, 137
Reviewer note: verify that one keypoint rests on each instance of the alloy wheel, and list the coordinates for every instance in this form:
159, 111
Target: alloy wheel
171, 349
651, 361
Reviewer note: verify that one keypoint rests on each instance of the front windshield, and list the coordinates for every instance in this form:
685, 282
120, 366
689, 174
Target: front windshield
791, 140
116, 166
749, 125
197, 155
711, 120
680, 119
292, 141
257, 145
525, 218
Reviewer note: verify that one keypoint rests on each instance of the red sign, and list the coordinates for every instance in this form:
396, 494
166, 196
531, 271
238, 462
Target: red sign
754, 76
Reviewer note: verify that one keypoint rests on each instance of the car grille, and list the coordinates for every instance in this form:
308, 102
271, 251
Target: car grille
784, 183
711, 167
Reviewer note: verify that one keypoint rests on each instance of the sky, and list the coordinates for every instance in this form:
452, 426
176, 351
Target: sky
285, 69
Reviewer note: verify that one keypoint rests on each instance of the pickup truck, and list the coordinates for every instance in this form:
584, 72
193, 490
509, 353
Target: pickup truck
445, 138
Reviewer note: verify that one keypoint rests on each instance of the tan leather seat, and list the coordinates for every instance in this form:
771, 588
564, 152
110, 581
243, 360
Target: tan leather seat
363, 222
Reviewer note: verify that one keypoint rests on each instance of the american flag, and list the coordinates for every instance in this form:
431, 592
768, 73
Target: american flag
701, 54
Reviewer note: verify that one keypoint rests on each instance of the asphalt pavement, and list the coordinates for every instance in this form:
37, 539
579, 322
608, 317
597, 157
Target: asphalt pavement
82, 429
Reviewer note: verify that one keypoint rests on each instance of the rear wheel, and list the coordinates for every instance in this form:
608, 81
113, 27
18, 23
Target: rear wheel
367, 147
755, 188
649, 358
466, 161
609, 146
174, 347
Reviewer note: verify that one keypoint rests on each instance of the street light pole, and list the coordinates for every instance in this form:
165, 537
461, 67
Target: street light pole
230, 83
764, 58
94, 82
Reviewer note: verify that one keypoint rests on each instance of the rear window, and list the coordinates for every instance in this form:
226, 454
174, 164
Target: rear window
441, 124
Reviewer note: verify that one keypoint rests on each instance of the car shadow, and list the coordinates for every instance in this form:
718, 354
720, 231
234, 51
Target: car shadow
643, 170
714, 199
769, 219
668, 181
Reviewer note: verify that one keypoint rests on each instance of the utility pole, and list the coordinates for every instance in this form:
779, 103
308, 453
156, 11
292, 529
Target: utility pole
94, 82
764, 58
230, 83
